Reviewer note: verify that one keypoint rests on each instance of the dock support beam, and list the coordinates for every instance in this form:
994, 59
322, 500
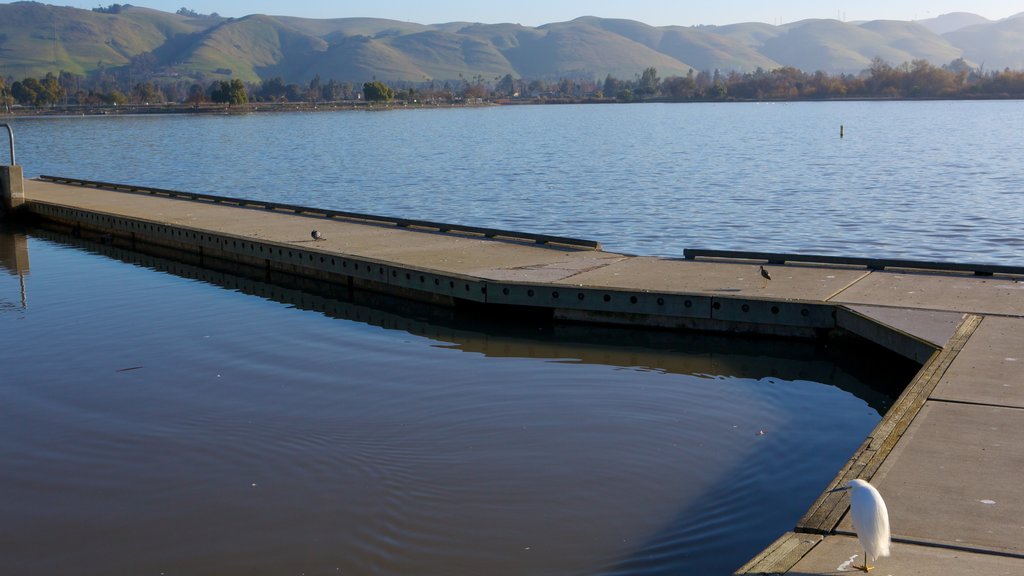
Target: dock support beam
12, 189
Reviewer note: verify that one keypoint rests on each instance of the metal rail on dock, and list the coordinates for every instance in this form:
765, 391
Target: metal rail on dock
322, 213
871, 263
10, 138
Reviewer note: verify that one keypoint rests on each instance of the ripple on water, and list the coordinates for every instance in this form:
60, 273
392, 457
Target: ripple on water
617, 174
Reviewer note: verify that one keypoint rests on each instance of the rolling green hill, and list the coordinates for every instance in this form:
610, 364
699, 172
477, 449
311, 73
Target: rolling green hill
840, 47
251, 48
997, 45
37, 38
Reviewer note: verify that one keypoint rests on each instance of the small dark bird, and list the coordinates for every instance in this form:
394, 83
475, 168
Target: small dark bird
316, 235
765, 275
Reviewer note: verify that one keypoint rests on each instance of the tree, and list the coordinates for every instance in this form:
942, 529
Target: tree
26, 92
331, 92
648, 84
477, 90
51, 91
506, 86
315, 92
147, 93
377, 91
271, 89
882, 78
5, 95
196, 95
115, 97
229, 92
112, 9
612, 86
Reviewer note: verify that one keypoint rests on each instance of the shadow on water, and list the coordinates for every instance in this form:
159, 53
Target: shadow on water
837, 360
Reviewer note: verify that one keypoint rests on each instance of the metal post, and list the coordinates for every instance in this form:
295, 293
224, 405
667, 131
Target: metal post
10, 137
12, 184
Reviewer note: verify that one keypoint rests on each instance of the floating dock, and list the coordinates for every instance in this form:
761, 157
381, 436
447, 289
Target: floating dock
947, 456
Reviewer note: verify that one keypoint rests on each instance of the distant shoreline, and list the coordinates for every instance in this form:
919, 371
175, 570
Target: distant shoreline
222, 109
287, 107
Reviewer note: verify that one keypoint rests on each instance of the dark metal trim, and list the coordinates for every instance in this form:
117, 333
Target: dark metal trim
10, 138
320, 212
871, 263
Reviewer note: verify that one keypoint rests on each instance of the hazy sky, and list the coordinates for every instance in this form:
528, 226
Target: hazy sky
536, 12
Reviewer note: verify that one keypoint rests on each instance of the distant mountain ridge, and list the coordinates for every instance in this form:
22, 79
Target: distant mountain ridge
38, 38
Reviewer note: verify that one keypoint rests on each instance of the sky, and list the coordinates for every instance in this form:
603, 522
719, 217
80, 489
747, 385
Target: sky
537, 12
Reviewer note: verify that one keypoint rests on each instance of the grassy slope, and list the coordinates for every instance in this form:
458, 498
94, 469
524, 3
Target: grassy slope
997, 46
577, 47
361, 58
253, 47
915, 40
358, 49
83, 38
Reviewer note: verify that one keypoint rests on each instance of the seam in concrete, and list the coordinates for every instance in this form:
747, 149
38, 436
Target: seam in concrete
969, 403
593, 268
921, 309
848, 286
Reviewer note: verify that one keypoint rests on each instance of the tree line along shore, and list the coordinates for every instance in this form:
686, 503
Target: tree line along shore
109, 92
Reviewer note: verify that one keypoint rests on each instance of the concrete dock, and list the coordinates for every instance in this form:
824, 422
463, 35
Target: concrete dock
947, 457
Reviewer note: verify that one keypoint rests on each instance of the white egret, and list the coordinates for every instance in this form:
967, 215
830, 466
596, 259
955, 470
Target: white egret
870, 520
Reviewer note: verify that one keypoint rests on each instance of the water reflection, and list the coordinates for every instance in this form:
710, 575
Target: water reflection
839, 364
14, 257
380, 436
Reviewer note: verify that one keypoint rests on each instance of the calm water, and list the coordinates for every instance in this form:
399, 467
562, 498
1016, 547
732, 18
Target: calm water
159, 419
926, 180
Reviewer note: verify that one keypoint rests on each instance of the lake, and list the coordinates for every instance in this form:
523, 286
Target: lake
164, 419
917, 180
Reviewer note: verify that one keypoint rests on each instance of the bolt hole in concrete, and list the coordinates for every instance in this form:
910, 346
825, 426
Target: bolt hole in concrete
244, 436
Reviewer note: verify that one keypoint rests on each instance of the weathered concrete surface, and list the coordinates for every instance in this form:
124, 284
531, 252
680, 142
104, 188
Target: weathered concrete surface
944, 292
931, 326
12, 188
719, 279
990, 369
910, 333
445, 252
835, 555
955, 479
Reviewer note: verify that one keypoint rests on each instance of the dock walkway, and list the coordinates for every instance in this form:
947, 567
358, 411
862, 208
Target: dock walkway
948, 457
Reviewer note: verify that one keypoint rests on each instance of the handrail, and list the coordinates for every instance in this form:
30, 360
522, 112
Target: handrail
575, 243
870, 263
10, 136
